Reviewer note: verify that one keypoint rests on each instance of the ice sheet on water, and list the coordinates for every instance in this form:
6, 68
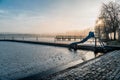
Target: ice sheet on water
19, 59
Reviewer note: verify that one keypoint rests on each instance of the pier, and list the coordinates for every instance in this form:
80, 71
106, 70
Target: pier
73, 46
95, 66
79, 47
68, 38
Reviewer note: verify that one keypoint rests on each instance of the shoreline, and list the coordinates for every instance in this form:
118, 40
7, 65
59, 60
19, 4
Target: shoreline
105, 67
100, 68
96, 66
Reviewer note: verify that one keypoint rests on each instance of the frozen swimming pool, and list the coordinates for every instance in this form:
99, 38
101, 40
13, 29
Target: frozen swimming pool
19, 60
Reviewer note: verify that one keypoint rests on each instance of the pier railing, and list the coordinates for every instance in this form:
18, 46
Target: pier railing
68, 38
31, 37
34, 37
37, 40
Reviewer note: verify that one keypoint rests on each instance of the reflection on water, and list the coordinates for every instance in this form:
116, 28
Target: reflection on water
20, 60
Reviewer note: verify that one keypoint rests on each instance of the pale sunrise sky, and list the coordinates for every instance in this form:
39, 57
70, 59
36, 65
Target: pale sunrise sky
48, 16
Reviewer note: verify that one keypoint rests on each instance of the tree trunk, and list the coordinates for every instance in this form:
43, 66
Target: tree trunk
107, 36
119, 35
110, 36
114, 35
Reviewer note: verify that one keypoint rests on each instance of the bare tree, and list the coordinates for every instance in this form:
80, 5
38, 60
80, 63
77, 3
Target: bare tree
111, 14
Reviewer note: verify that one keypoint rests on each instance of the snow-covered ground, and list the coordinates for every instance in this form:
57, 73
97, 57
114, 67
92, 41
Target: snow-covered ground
19, 60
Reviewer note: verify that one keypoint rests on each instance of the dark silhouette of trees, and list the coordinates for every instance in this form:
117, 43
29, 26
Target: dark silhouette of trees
110, 16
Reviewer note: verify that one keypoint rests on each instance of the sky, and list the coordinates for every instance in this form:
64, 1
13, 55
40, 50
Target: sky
48, 16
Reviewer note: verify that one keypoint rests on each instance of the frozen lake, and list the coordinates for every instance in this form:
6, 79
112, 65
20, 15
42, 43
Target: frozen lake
18, 60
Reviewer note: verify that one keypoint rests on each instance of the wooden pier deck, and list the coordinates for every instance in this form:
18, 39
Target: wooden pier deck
80, 47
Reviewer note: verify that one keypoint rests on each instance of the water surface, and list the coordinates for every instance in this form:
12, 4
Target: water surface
19, 60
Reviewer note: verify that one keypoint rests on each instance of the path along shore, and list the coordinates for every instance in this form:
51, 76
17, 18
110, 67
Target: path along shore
106, 67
